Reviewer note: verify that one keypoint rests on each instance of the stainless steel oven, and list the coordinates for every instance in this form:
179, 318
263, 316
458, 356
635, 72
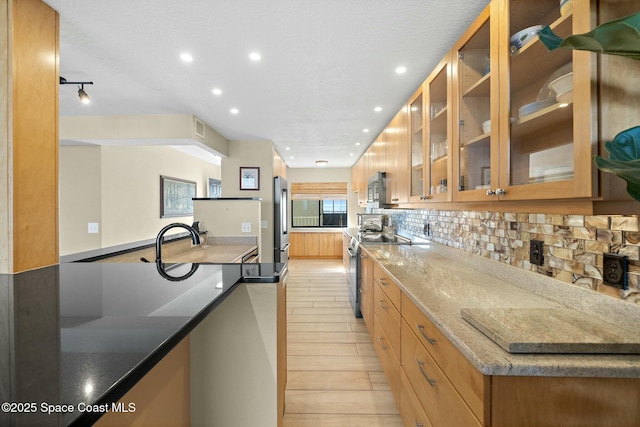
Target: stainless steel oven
355, 261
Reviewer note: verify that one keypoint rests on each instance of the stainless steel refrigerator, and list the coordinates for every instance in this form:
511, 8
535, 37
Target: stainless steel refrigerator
280, 220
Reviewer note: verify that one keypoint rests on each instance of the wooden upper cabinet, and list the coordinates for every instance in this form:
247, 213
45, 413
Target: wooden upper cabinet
397, 157
419, 188
438, 131
546, 151
475, 151
488, 125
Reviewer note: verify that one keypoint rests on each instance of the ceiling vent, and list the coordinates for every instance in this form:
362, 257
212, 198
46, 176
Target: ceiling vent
198, 128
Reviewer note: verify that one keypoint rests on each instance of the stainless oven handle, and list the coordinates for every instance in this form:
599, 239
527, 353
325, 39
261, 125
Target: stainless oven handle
286, 247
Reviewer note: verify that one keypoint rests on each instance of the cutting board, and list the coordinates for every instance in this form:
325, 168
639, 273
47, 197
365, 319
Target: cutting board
551, 330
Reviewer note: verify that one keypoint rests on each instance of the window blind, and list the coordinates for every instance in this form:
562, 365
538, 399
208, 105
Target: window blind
318, 190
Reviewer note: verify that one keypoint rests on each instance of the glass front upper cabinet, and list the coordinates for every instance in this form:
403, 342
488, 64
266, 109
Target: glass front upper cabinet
438, 141
416, 123
476, 159
539, 127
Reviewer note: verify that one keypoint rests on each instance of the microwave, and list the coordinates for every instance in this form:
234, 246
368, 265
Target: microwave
377, 191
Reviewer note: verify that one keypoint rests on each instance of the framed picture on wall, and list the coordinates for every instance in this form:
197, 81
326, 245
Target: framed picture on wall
249, 178
176, 197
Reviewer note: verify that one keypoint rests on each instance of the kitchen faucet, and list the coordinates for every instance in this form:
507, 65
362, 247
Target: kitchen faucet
195, 238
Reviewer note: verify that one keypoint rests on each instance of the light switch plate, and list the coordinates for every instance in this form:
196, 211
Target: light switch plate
246, 227
93, 228
265, 224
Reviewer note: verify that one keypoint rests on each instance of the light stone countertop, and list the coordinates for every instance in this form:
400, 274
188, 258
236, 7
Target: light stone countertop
212, 254
443, 280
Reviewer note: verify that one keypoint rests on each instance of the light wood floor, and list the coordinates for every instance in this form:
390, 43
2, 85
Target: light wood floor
334, 376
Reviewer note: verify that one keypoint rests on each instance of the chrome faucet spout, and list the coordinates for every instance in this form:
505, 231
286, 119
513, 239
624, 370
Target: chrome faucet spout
195, 237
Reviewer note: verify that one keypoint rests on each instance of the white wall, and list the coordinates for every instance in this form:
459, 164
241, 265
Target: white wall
119, 188
252, 154
329, 175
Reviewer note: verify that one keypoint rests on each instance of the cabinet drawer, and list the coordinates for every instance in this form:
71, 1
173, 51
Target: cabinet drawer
438, 397
388, 317
388, 358
470, 383
411, 411
388, 285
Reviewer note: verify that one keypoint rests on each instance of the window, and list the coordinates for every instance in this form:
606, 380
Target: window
319, 204
319, 213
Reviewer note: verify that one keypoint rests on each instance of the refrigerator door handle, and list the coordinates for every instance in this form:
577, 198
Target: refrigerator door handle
286, 247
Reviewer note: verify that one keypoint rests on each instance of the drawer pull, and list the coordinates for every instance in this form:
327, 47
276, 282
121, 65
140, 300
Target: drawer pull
431, 382
420, 327
384, 307
380, 339
419, 424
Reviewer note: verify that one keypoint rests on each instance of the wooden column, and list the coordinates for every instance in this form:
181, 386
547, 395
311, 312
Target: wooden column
29, 59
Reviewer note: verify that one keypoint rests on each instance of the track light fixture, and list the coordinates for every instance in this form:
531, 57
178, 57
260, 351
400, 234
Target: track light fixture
84, 97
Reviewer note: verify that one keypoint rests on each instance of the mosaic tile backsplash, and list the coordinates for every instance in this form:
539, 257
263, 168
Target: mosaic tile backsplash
573, 244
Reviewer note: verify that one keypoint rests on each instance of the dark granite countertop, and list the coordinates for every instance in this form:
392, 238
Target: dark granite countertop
85, 333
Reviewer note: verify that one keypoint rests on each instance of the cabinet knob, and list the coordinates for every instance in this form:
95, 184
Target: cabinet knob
490, 192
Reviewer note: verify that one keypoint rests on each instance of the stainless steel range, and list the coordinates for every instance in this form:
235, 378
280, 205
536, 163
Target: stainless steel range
355, 261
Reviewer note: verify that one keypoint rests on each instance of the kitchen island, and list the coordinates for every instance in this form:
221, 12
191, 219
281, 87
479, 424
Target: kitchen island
77, 337
454, 374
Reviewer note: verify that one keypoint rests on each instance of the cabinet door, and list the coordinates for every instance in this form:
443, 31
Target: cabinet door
326, 244
475, 84
418, 187
366, 291
545, 150
312, 244
401, 158
438, 136
297, 244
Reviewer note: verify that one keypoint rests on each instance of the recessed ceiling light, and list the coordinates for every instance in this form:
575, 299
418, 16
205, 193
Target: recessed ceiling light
217, 91
234, 111
401, 70
186, 57
365, 130
357, 143
291, 157
287, 148
322, 163
377, 109
255, 56
351, 154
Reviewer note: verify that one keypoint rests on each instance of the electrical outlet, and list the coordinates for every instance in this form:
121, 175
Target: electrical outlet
614, 270
536, 248
426, 229
246, 227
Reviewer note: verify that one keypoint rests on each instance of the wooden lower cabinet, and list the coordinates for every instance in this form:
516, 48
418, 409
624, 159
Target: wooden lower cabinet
566, 402
470, 383
315, 245
438, 396
435, 385
366, 290
410, 408
388, 358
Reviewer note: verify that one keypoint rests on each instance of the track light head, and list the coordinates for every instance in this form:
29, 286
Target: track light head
84, 97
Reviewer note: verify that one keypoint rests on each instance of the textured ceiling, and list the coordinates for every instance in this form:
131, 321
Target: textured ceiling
325, 64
